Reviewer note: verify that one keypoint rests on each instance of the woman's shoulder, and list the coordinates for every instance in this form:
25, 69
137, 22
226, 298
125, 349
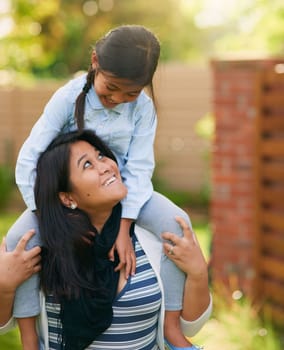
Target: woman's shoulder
25, 222
149, 241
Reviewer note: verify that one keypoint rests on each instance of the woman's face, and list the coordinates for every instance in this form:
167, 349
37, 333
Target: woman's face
95, 179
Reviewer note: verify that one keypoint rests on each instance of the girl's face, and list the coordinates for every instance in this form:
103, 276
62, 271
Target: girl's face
112, 90
95, 179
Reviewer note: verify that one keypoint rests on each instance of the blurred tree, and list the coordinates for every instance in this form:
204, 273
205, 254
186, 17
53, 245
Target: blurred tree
54, 38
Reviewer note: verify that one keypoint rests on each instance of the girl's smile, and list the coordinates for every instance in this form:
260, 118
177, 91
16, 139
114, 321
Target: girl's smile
113, 91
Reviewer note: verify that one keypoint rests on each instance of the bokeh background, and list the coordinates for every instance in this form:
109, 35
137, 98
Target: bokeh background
45, 43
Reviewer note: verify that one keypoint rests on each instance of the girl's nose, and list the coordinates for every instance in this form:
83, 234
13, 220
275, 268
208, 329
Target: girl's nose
117, 97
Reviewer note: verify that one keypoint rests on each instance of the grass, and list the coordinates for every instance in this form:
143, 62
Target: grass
234, 325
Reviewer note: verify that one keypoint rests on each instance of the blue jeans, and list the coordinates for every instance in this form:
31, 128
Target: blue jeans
158, 215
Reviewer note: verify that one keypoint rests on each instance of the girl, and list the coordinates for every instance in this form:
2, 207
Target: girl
87, 304
110, 100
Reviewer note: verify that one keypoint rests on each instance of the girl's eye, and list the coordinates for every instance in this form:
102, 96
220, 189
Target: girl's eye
133, 94
111, 88
87, 164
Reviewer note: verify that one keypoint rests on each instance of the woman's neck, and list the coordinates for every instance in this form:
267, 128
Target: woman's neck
98, 220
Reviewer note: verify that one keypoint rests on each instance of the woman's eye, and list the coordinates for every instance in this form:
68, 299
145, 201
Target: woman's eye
87, 164
101, 156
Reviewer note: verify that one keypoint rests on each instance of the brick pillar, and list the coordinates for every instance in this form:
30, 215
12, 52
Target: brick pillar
233, 205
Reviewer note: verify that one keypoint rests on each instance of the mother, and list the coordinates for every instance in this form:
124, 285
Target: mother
87, 304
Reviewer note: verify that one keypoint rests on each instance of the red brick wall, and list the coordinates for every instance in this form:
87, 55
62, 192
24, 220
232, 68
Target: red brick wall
234, 200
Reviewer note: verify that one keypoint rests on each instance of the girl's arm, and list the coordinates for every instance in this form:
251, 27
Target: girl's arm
137, 173
50, 124
124, 248
29, 337
139, 163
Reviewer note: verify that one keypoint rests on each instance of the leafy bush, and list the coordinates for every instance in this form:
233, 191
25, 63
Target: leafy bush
236, 324
6, 184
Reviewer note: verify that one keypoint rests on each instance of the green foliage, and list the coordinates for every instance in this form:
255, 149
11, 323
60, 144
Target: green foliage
6, 184
198, 198
237, 325
205, 126
54, 38
10, 341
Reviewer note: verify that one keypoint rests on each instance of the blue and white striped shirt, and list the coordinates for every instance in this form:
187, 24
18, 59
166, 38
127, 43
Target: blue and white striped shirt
135, 313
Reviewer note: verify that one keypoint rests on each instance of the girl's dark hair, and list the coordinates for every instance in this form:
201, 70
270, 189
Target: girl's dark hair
66, 234
129, 51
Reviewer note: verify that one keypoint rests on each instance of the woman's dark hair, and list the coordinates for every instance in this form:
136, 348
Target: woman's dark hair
129, 51
66, 234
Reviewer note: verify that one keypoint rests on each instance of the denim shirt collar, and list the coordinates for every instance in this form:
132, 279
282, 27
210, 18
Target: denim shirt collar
96, 104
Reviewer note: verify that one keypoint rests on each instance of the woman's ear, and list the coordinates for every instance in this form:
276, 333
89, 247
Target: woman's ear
95, 62
67, 200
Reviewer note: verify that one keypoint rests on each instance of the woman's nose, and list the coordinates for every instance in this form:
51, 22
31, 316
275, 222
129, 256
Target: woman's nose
103, 167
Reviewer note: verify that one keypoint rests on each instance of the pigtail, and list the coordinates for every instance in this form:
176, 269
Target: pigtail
80, 101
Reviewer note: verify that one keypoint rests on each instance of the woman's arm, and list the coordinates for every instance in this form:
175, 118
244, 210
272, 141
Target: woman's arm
186, 253
15, 267
28, 333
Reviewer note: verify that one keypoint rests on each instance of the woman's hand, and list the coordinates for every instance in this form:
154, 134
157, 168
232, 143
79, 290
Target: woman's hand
185, 251
18, 265
124, 248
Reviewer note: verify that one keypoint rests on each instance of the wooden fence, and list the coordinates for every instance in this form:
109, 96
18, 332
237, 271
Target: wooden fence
270, 189
183, 94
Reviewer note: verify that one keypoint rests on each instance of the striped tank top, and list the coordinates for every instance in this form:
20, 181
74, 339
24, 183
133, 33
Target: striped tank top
135, 312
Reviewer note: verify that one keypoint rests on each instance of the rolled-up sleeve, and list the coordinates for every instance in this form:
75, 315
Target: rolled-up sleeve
191, 328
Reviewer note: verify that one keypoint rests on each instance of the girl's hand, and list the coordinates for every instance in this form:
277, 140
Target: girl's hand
185, 251
124, 248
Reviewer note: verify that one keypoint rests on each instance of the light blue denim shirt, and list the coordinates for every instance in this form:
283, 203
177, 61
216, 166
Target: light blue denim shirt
128, 129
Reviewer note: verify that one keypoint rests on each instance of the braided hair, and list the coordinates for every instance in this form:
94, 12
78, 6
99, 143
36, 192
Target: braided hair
130, 52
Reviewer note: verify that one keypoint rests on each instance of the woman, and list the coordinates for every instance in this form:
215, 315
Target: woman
78, 192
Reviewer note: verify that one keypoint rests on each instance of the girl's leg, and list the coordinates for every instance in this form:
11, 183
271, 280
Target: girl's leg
158, 216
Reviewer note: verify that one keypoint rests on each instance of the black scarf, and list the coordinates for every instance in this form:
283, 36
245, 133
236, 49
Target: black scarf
86, 317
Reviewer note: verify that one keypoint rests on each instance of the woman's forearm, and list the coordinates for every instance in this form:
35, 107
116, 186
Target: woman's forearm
196, 297
15, 267
6, 305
